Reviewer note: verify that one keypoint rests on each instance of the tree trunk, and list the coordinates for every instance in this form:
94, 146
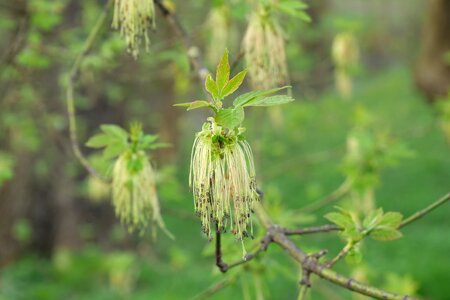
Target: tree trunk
14, 197
433, 71
66, 221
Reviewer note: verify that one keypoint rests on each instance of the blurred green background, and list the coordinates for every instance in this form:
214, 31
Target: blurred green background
59, 238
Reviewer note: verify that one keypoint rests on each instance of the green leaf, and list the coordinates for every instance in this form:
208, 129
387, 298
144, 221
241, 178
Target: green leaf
342, 220
114, 150
354, 256
250, 96
211, 86
372, 219
385, 234
194, 104
269, 101
230, 118
352, 233
391, 219
222, 72
233, 84
114, 131
98, 141
295, 9
147, 140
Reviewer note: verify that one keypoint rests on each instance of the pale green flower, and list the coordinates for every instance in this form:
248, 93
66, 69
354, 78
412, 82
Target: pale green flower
222, 177
264, 50
134, 18
345, 53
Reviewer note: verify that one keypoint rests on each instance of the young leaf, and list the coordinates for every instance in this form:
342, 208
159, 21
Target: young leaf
354, 256
269, 101
211, 86
230, 117
342, 220
233, 84
148, 140
194, 104
352, 233
294, 8
222, 72
385, 234
373, 218
114, 131
391, 219
98, 141
244, 98
114, 150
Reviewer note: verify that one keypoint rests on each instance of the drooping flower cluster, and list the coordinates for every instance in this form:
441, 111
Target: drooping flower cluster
134, 18
222, 177
264, 50
222, 172
134, 195
345, 53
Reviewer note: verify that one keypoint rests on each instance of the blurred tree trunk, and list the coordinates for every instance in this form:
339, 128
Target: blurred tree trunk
66, 220
14, 197
433, 72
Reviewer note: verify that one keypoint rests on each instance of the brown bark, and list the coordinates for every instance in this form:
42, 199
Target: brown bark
433, 72
14, 197
66, 222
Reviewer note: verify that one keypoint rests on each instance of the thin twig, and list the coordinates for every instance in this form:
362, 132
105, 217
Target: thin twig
311, 230
425, 211
305, 283
251, 255
341, 254
213, 289
192, 51
70, 90
223, 267
303, 292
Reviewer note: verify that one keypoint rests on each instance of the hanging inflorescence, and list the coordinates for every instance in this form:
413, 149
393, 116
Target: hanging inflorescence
222, 178
134, 195
264, 50
134, 18
222, 174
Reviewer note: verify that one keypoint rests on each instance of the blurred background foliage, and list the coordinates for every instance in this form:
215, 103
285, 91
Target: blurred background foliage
360, 128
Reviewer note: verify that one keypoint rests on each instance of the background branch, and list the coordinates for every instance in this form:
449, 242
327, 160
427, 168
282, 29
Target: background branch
311, 230
73, 75
192, 51
425, 211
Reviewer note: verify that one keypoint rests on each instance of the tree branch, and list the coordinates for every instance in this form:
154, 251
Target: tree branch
325, 273
70, 90
425, 211
223, 267
213, 289
311, 230
192, 51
